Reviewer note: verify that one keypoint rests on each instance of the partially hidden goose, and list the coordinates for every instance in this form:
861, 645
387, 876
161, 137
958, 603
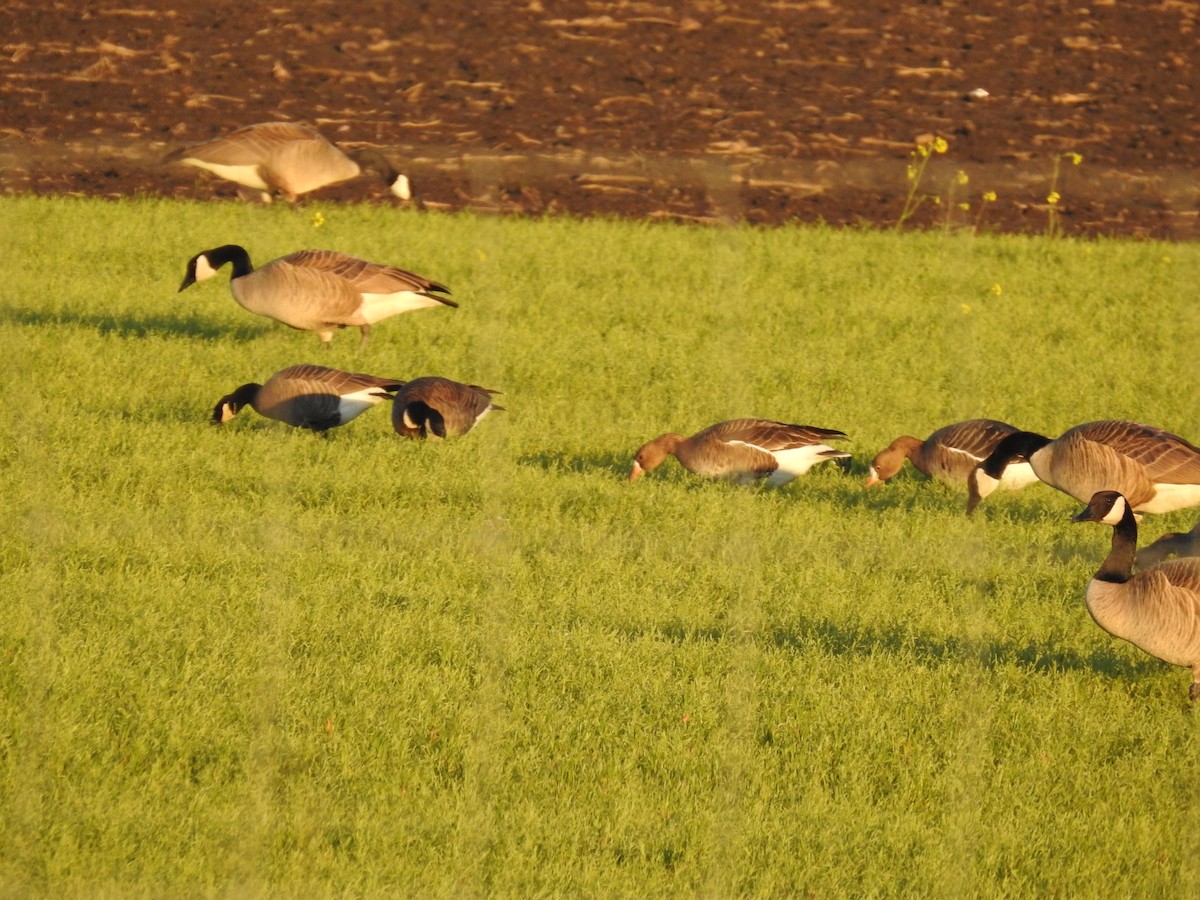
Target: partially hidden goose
950, 454
318, 290
1158, 609
1155, 470
287, 159
1174, 543
433, 407
744, 450
306, 396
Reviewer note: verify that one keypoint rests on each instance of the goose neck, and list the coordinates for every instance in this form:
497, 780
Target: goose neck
1118, 565
1018, 444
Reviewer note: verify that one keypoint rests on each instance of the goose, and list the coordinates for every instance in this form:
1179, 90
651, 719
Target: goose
744, 451
307, 396
1155, 470
1158, 609
439, 408
1178, 543
950, 454
287, 159
318, 290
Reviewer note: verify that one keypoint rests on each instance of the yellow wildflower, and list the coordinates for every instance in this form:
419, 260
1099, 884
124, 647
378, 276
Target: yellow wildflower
1053, 197
989, 196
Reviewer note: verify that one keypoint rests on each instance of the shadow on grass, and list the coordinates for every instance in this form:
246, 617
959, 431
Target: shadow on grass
124, 325
842, 640
615, 464
621, 462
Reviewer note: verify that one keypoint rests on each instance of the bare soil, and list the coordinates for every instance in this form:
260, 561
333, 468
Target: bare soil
766, 112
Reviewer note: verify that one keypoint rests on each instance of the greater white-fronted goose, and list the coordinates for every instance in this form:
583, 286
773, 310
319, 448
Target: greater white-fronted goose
439, 408
744, 450
1158, 609
1173, 543
287, 159
1155, 470
950, 454
306, 396
318, 290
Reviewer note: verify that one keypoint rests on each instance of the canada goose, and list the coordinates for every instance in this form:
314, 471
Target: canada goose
1158, 609
308, 396
950, 454
288, 159
1178, 543
318, 290
744, 450
439, 408
1155, 470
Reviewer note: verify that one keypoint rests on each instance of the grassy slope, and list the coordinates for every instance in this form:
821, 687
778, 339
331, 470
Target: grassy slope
252, 660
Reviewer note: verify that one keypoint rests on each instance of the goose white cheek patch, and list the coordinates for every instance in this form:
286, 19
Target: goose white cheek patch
204, 268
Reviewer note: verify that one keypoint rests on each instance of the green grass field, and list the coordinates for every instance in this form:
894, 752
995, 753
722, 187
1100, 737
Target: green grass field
252, 661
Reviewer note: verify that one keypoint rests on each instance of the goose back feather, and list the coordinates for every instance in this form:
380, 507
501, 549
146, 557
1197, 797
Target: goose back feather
950, 454
309, 396
286, 158
1156, 610
1155, 470
435, 407
1174, 543
744, 450
319, 290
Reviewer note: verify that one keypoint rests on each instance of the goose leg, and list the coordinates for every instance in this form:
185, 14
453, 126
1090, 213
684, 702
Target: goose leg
1194, 692
326, 339
366, 334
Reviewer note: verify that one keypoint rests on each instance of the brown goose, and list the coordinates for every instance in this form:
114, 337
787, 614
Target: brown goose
318, 290
1155, 470
744, 450
950, 454
308, 396
1158, 609
288, 159
1174, 543
439, 408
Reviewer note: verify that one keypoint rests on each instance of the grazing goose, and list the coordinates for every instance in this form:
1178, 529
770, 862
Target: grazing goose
1158, 609
1155, 470
439, 408
318, 290
744, 450
287, 159
307, 396
1177, 543
950, 454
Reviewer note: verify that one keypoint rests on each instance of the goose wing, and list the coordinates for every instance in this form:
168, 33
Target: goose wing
1160, 611
1165, 457
976, 438
367, 277
458, 406
318, 397
335, 381
249, 146
769, 435
722, 453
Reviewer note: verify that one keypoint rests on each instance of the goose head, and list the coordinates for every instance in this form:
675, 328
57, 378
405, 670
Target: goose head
890, 459
231, 404
652, 454
206, 264
1105, 507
